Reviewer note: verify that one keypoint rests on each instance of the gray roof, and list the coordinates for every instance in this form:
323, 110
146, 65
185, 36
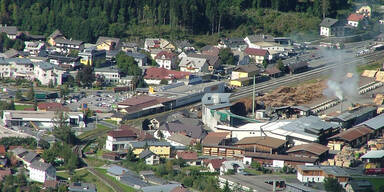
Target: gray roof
141, 144
261, 38
163, 188
349, 115
117, 170
361, 185
30, 156
40, 165
129, 44
146, 153
332, 170
375, 123
44, 65
328, 22
55, 34
11, 53
379, 154
196, 132
179, 138
182, 44
311, 124
107, 69
136, 55
195, 62
19, 151
212, 60
83, 187
68, 41
10, 30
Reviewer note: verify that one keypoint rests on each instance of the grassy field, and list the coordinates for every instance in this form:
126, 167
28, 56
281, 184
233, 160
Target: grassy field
85, 176
22, 107
125, 187
98, 130
111, 121
371, 66
95, 162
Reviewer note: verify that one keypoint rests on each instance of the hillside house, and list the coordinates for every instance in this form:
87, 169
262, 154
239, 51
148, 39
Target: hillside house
166, 59
259, 55
108, 43
331, 27
193, 65
355, 19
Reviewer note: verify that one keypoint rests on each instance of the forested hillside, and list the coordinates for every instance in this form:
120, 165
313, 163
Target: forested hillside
87, 19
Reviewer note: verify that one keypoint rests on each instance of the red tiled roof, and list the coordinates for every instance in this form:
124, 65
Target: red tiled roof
355, 17
122, 133
168, 55
187, 155
314, 148
353, 133
214, 138
51, 106
272, 71
162, 73
138, 100
257, 52
2, 149
51, 184
140, 134
216, 163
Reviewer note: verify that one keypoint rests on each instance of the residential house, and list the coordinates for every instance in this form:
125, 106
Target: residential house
309, 150
41, 172
34, 48
129, 47
355, 19
210, 50
55, 35
317, 174
252, 39
47, 73
82, 187
212, 60
179, 140
119, 139
108, 43
232, 43
241, 58
11, 53
140, 58
149, 157
331, 27
183, 46
263, 144
193, 65
161, 148
46, 106
358, 185
64, 61
29, 158
195, 132
214, 102
154, 75
126, 176
231, 166
91, 56
243, 75
259, 55
156, 43
166, 59
16, 68
213, 164
127, 81
65, 46
190, 157
110, 74
365, 10
11, 31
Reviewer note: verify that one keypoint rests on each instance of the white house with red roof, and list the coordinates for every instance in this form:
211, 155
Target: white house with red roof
354, 19
119, 139
166, 59
259, 55
153, 76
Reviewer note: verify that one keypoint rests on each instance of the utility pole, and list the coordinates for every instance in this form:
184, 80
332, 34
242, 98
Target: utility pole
253, 97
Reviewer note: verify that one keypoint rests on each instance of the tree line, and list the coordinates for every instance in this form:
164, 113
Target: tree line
88, 19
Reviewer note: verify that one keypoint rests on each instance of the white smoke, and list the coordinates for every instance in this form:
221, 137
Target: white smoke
344, 80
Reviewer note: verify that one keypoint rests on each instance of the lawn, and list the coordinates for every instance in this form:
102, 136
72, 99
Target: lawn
125, 187
95, 162
376, 182
111, 121
23, 107
85, 176
97, 131
371, 66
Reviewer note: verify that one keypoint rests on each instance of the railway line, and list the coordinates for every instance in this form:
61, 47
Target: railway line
300, 77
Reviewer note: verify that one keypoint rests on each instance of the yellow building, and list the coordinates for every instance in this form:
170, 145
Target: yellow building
108, 43
90, 56
160, 148
243, 74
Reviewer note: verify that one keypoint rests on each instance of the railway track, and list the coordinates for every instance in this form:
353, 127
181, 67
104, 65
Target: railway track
304, 76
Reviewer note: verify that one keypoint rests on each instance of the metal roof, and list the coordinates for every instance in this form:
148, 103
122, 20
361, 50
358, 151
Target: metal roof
346, 116
310, 124
117, 170
141, 144
379, 154
375, 123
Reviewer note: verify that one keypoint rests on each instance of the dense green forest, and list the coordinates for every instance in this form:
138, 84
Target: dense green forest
88, 19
